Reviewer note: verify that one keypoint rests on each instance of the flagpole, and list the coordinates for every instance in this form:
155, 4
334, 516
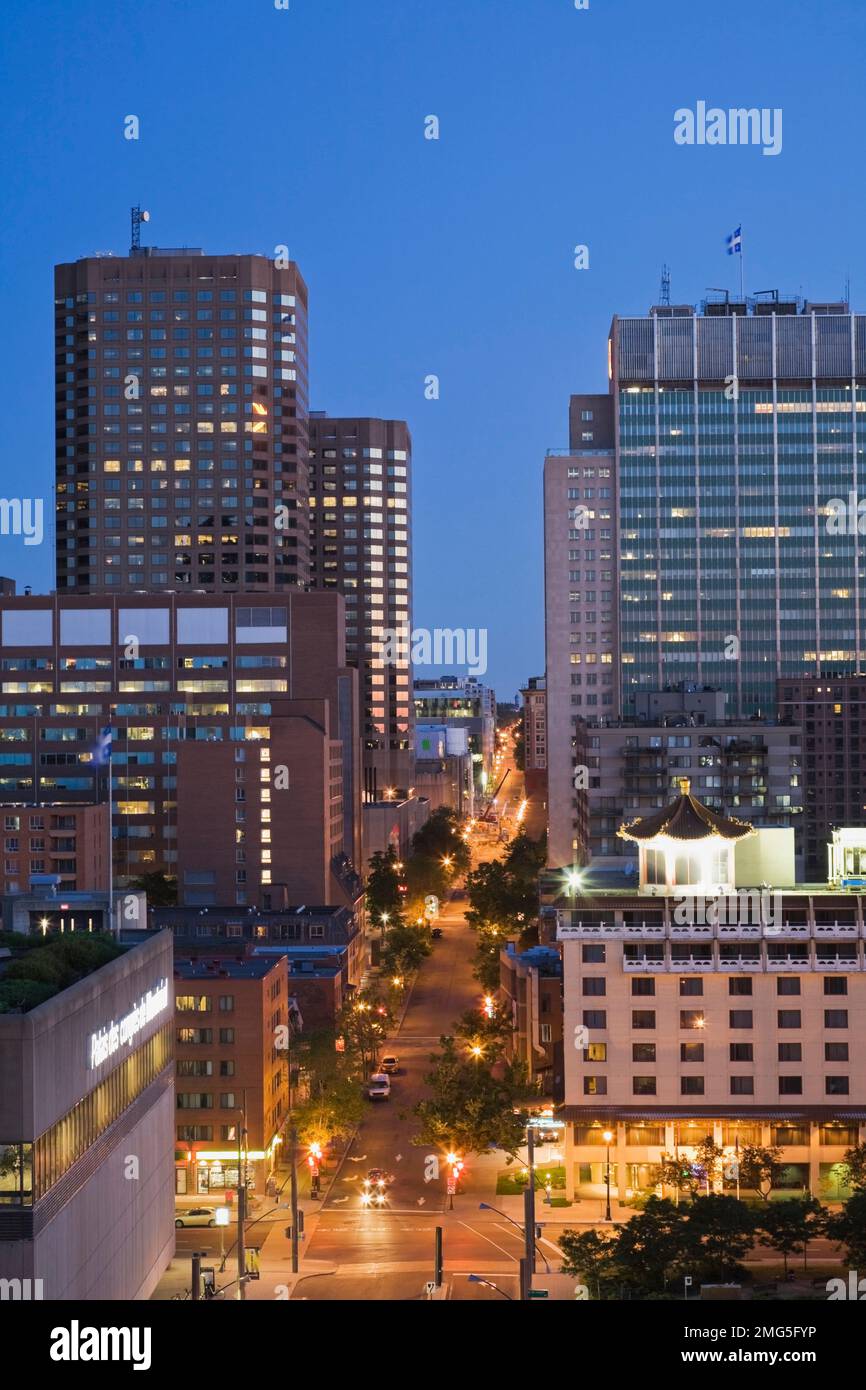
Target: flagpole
742, 267
112, 926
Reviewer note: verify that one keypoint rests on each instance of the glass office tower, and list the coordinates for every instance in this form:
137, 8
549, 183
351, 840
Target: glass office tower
740, 455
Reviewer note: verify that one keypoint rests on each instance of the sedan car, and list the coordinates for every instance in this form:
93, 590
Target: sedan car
436, 933
197, 1216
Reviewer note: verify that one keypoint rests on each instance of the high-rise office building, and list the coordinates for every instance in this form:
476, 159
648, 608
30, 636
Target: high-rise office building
736, 428
361, 546
181, 423
725, 550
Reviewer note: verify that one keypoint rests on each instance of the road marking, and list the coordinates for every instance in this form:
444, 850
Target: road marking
487, 1238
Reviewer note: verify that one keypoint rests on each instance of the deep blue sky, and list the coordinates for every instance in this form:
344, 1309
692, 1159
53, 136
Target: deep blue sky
260, 127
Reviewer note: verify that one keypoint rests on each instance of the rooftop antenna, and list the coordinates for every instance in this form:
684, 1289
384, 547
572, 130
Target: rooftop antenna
666, 286
848, 288
137, 216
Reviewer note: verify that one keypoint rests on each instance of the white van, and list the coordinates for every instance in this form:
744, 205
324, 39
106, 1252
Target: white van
379, 1086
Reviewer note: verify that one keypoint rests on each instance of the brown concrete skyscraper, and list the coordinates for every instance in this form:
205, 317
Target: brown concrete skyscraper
361, 545
181, 434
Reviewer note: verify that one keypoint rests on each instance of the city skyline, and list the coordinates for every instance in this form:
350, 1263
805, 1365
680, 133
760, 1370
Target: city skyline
379, 321
433, 668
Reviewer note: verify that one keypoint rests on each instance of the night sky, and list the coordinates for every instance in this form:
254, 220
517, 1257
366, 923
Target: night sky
455, 257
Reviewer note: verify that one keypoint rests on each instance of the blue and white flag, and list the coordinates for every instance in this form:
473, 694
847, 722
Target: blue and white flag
735, 243
102, 751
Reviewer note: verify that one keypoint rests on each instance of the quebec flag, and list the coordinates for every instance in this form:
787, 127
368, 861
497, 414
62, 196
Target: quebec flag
102, 751
735, 243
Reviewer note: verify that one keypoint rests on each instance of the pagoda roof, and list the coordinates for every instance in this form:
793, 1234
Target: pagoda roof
685, 818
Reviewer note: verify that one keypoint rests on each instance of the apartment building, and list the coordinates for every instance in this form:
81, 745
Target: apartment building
361, 546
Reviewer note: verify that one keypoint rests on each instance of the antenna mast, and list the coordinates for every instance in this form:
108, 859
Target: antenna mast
137, 216
666, 286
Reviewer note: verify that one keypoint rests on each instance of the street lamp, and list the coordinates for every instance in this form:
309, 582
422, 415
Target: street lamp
476, 1279
608, 1139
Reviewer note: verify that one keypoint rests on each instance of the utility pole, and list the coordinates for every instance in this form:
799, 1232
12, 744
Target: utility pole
529, 1200
293, 1135
242, 1203
437, 1265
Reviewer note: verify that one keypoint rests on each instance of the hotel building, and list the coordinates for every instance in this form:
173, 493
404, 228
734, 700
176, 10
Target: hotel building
702, 1004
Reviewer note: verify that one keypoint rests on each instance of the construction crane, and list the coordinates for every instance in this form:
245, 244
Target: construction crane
485, 814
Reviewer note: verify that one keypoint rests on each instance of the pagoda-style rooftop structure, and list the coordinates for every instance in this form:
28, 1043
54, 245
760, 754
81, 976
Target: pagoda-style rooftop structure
686, 847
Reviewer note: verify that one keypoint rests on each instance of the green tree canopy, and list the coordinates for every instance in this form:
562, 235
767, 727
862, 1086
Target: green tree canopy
473, 1105
789, 1226
722, 1231
848, 1227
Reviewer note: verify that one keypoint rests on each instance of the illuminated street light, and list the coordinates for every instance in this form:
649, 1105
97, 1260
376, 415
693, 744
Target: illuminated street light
607, 1136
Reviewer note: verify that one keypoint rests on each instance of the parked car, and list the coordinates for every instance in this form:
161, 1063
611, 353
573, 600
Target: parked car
197, 1216
390, 1065
379, 1087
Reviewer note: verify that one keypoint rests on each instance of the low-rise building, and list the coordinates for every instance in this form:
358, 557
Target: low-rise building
530, 987
292, 930
391, 824
67, 842
460, 703
86, 1121
232, 1085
